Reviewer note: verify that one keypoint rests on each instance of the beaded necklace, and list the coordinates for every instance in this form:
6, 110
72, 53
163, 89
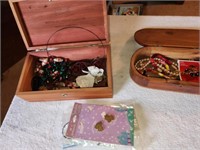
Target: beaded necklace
158, 65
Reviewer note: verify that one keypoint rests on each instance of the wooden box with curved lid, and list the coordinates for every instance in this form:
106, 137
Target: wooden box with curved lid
178, 44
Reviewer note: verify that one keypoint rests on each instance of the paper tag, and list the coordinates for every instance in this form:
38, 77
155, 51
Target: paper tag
85, 81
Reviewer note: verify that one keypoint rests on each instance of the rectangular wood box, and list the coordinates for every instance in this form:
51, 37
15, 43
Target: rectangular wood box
72, 29
178, 44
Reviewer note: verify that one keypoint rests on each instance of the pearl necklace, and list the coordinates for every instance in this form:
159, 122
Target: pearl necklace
141, 64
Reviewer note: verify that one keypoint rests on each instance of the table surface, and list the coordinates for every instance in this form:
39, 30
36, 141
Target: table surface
167, 120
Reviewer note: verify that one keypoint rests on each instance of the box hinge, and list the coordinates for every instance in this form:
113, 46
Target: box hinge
43, 50
99, 45
70, 47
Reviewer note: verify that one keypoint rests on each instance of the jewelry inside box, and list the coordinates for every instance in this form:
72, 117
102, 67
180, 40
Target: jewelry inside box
160, 66
53, 73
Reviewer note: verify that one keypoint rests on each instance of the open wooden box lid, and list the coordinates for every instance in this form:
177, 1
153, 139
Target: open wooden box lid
177, 38
60, 23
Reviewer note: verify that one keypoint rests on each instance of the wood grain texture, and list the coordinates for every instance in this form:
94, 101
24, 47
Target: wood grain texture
72, 94
68, 94
172, 8
168, 37
39, 20
75, 53
165, 84
24, 86
74, 29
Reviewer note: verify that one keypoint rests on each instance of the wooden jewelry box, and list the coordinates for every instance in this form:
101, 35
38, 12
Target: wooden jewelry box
75, 30
177, 44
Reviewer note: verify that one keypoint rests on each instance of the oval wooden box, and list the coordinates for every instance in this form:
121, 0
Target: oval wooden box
72, 29
173, 43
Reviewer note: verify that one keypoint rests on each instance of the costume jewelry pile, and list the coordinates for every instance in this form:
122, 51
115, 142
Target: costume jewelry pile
53, 73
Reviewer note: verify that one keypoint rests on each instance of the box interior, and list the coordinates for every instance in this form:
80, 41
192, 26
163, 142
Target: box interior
72, 54
174, 53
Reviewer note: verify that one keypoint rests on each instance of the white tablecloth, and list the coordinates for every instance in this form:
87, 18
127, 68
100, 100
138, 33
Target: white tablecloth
167, 120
